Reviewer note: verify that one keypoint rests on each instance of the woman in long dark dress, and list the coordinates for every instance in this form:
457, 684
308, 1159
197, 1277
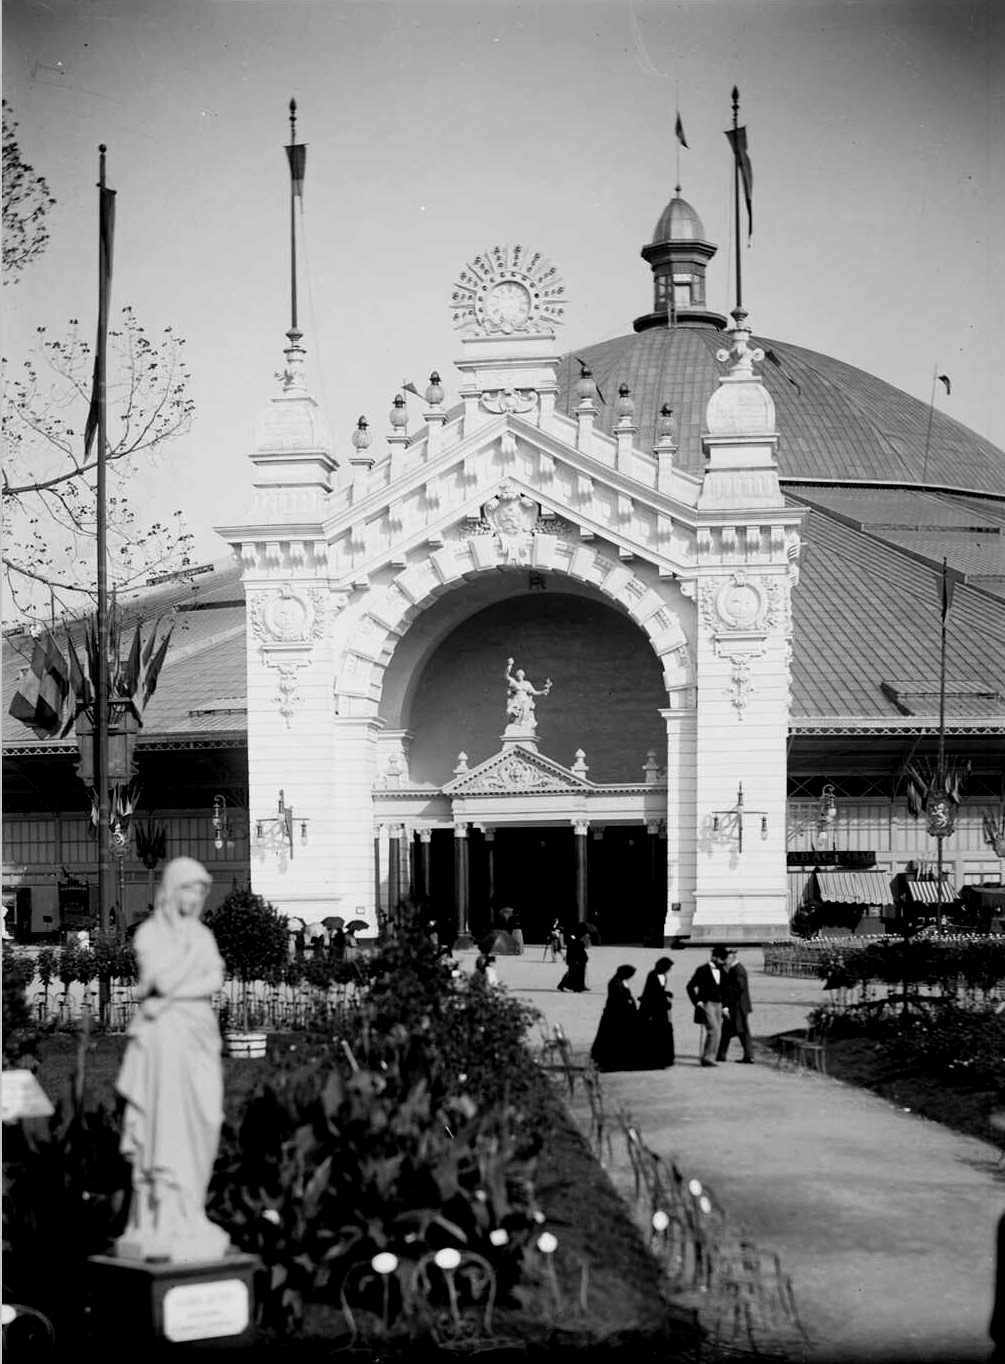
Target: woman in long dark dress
655, 1029
616, 1045
576, 957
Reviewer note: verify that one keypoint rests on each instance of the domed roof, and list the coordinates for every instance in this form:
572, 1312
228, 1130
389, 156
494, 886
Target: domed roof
835, 422
679, 222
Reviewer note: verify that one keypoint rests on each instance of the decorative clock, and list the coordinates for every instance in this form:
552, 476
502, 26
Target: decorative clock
508, 290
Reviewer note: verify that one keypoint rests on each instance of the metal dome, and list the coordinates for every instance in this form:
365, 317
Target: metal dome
679, 222
835, 422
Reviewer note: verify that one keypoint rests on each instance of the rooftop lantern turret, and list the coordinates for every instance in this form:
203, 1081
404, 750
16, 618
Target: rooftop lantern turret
678, 255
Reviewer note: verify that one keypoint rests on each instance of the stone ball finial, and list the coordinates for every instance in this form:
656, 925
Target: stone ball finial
666, 424
399, 416
434, 393
586, 389
361, 437
626, 403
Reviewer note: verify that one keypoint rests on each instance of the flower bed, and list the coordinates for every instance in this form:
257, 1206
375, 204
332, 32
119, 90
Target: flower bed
396, 1177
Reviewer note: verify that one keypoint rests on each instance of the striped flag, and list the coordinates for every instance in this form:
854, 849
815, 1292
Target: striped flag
679, 132
296, 154
106, 243
38, 701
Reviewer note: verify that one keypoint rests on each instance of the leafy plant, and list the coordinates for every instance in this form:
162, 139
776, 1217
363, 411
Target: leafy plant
253, 940
18, 1030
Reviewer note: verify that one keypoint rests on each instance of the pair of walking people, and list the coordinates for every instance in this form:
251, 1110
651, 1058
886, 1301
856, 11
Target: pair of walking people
720, 993
636, 1036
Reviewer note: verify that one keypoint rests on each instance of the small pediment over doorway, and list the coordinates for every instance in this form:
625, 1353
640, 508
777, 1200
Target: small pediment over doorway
516, 769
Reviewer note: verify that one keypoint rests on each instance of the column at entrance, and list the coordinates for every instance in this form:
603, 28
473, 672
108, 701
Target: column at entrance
490, 857
461, 885
424, 872
581, 828
681, 719
654, 929
393, 869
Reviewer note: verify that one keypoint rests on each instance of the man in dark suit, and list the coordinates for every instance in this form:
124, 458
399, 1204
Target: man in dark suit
736, 1009
705, 991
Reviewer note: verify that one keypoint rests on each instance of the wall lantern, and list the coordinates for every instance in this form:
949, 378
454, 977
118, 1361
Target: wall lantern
282, 823
223, 833
822, 819
729, 823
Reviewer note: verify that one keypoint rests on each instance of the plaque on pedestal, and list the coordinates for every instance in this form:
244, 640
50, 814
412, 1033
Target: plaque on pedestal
149, 1301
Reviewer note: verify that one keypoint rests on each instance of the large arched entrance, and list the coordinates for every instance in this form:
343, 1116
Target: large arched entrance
538, 853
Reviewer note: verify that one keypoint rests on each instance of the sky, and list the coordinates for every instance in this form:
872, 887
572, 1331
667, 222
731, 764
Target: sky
436, 130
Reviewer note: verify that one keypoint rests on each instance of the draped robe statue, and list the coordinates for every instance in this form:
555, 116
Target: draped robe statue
172, 1079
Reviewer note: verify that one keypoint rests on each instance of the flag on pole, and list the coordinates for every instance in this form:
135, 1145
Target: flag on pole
106, 241
679, 132
948, 587
410, 388
944, 379
38, 701
738, 141
297, 156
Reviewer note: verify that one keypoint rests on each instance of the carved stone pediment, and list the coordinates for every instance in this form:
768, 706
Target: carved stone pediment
515, 771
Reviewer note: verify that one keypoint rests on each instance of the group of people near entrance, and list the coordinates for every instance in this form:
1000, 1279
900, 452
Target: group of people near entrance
638, 1034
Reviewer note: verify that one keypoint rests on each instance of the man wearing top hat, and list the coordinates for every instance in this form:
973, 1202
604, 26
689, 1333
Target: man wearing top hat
706, 991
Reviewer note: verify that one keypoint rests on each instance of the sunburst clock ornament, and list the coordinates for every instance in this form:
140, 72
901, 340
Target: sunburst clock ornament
508, 291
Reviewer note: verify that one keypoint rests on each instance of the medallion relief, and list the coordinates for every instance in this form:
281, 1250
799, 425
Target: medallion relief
288, 616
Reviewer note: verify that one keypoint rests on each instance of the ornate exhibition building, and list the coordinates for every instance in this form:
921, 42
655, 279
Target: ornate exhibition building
647, 634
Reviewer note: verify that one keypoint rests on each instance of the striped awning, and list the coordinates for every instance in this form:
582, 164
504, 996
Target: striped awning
853, 887
928, 893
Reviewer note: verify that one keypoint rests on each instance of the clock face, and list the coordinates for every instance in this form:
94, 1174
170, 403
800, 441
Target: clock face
508, 305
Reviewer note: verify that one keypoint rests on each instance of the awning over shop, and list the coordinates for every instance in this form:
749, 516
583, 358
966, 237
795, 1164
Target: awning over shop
798, 882
928, 892
987, 897
853, 888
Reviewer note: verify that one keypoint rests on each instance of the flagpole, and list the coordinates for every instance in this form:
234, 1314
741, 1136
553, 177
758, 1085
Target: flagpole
293, 220
942, 737
736, 198
101, 681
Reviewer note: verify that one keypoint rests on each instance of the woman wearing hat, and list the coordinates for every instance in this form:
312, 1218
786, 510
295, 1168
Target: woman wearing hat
655, 1029
616, 1045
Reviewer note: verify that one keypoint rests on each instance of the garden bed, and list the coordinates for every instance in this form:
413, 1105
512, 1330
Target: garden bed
611, 1301
964, 1105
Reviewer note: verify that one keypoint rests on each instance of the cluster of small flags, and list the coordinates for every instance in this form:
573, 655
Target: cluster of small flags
57, 688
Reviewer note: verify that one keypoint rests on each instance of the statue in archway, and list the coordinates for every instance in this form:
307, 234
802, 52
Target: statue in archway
520, 699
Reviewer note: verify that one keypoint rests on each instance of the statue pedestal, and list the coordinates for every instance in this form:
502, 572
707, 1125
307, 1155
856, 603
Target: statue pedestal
522, 736
147, 1301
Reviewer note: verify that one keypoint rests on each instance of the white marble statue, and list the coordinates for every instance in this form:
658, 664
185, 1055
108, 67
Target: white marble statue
520, 700
172, 1079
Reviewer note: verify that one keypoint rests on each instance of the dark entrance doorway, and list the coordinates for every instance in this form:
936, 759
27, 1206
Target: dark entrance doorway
533, 871
627, 884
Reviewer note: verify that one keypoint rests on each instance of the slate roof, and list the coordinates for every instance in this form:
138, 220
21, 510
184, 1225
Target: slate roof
968, 532
865, 615
840, 423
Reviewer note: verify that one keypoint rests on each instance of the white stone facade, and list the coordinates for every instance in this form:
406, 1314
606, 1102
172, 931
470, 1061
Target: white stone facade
342, 564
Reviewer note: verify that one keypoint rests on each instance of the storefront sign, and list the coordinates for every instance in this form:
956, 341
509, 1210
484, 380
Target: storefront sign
832, 857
